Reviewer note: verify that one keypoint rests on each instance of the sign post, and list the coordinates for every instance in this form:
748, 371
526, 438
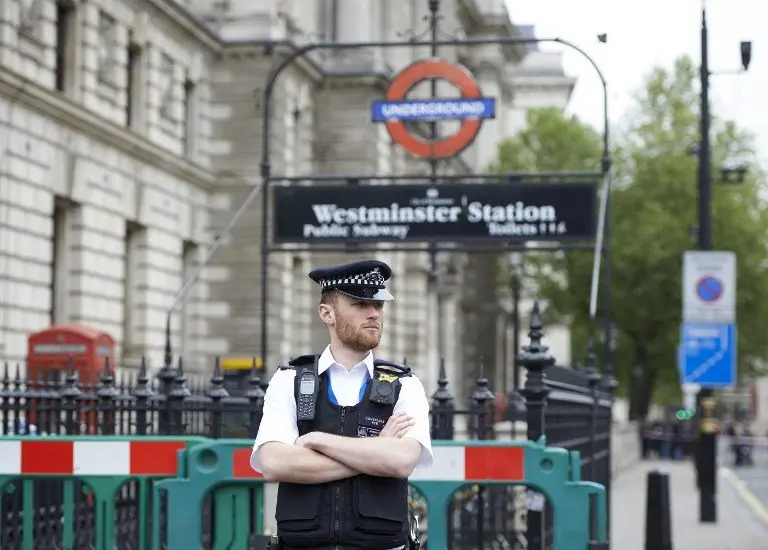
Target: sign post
708, 353
709, 287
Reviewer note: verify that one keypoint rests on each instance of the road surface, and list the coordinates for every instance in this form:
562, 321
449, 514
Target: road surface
751, 482
742, 519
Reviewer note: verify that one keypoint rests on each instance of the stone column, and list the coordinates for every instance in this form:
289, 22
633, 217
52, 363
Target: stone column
487, 141
355, 22
413, 293
451, 338
387, 348
432, 368
304, 313
93, 303
287, 303
499, 364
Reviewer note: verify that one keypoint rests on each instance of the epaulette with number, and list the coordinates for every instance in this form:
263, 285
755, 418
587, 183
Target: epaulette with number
300, 361
389, 367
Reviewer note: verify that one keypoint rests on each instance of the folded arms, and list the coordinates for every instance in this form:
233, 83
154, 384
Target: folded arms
320, 458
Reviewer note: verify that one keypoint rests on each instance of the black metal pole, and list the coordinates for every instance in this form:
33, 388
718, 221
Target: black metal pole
514, 394
265, 175
434, 9
705, 175
536, 359
706, 451
516, 334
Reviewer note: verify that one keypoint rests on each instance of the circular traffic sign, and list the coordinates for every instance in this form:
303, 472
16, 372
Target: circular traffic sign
416, 73
709, 289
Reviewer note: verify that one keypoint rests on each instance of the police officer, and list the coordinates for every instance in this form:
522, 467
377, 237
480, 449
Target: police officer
342, 431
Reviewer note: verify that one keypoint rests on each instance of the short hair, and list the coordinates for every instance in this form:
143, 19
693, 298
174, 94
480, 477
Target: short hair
329, 298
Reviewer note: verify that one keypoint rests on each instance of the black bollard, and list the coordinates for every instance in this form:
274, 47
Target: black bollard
658, 513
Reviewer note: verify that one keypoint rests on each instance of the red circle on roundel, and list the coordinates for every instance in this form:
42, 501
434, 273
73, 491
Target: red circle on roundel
416, 73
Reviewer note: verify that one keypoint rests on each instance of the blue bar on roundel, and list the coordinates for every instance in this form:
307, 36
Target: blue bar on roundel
434, 109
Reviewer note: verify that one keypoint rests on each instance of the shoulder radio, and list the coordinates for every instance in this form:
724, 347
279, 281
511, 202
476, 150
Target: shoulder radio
308, 387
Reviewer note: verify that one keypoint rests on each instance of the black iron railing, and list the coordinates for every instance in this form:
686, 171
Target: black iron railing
571, 407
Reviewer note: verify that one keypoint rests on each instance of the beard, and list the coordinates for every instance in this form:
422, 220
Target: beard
357, 338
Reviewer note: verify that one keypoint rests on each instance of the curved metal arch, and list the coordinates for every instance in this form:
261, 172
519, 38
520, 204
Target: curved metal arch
601, 242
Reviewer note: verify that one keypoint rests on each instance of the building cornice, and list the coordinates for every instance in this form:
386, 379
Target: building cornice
284, 48
59, 108
479, 66
541, 80
476, 23
189, 22
375, 80
565, 83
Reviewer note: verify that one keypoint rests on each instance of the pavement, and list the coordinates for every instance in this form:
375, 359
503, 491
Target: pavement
742, 515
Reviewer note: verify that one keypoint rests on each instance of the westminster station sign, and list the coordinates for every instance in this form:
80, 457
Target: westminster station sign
449, 212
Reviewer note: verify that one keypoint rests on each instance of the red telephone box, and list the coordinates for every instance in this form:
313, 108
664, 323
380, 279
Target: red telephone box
49, 352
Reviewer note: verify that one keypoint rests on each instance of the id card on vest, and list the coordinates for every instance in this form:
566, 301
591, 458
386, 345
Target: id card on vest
370, 426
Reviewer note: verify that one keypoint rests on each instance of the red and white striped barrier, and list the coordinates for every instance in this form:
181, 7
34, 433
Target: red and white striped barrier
451, 464
90, 458
159, 458
241, 465
474, 463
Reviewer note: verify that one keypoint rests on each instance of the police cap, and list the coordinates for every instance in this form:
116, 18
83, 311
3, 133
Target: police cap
365, 280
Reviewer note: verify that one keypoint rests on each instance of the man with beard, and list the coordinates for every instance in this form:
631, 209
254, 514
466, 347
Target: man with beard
342, 432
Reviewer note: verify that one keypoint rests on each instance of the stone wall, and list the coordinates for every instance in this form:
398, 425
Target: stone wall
104, 182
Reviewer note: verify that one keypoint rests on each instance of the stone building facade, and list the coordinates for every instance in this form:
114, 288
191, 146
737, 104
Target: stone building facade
105, 175
131, 133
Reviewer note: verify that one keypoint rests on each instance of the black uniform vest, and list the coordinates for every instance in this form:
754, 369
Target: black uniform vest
362, 512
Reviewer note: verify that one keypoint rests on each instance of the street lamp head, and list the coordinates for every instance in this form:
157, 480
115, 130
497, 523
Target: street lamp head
602, 37
515, 260
734, 175
746, 54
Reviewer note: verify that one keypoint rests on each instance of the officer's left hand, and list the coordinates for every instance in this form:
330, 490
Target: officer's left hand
308, 440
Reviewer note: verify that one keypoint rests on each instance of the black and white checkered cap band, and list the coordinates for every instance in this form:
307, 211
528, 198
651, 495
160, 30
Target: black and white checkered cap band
374, 278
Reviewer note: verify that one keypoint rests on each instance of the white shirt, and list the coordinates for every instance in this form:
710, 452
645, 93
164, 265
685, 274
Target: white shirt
279, 420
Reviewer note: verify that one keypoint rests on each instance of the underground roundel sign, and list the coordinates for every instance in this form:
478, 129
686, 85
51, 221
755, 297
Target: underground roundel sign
471, 108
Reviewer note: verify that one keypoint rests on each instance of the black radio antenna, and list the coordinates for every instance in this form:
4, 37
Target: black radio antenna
190, 282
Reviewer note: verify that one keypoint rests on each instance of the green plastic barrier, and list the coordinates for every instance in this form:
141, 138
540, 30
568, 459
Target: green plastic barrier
103, 463
222, 467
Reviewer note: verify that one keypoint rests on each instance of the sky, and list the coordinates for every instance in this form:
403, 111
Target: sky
642, 35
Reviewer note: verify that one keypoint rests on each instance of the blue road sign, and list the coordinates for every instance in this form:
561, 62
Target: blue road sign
433, 109
708, 354
709, 289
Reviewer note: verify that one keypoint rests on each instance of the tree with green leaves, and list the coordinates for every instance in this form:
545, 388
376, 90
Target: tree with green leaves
652, 222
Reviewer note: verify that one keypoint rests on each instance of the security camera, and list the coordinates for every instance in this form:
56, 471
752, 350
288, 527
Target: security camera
746, 54
733, 175
602, 38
